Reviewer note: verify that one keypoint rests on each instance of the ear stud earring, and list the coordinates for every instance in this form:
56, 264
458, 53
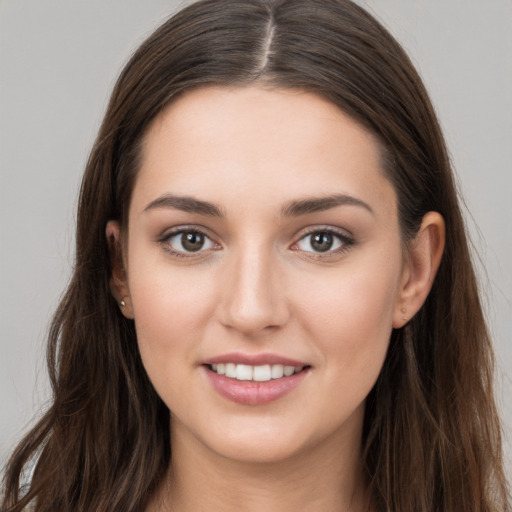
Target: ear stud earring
122, 303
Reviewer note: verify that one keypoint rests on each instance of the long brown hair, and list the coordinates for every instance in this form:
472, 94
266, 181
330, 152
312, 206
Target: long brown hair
431, 432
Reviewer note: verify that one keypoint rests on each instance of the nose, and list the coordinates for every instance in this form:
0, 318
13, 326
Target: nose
253, 297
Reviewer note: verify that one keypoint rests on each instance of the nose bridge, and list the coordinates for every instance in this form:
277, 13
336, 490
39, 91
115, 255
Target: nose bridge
253, 298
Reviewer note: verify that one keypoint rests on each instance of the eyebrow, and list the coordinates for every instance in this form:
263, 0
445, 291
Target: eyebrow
292, 209
320, 204
186, 204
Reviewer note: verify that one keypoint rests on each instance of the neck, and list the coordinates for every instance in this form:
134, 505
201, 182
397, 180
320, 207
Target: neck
320, 478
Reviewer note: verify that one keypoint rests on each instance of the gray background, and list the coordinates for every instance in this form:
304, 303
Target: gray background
58, 62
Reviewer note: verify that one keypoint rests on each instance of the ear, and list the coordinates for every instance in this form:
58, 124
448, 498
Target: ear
118, 279
423, 257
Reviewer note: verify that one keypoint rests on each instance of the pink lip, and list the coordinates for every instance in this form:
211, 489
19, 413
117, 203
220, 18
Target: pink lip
249, 392
254, 359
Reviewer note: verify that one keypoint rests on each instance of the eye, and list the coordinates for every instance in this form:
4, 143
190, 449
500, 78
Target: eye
187, 241
323, 241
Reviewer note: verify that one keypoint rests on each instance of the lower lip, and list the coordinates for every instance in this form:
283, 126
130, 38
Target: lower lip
249, 392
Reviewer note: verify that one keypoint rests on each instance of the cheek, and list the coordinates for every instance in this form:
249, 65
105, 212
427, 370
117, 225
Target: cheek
171, 309
350, 316
166, 297
168, 318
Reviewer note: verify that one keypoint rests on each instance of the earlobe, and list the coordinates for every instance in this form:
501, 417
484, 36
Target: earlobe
118, 279
423, 259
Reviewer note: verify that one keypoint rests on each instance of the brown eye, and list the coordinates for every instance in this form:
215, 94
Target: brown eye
184, 242
192, 242
322, 242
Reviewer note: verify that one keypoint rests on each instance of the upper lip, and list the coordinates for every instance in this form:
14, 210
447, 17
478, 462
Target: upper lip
254, 359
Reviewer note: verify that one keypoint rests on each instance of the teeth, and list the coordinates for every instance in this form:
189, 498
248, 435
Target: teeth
231, 370
277, 371
262, 373
243, 372
255, 373
288, 370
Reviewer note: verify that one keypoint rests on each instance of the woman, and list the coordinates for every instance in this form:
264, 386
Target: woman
273, 305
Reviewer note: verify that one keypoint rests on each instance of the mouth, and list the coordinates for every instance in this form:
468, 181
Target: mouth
259, 373
255, 379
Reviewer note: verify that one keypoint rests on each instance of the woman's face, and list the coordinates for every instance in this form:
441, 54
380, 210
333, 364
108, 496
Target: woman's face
263, 239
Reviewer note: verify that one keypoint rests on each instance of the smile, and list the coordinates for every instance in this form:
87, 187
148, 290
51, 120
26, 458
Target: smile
259, 373
255, 379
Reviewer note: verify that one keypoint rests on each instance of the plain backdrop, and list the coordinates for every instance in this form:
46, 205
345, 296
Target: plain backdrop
58, 63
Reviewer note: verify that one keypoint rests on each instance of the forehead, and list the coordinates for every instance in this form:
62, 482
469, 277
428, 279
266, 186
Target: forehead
258, 142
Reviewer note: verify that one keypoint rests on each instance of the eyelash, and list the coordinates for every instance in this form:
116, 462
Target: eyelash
343, 239
166, 237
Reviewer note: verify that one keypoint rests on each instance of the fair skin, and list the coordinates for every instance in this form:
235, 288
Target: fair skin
261, 231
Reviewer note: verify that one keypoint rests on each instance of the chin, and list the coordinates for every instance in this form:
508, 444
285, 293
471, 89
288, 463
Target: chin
267, 440
259, 451
252, 440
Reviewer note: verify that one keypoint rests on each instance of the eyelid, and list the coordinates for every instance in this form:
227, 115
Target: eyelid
346, 239
324, 228
188, 228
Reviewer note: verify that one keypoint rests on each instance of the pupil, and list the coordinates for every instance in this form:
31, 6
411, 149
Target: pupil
192, 241
322, 242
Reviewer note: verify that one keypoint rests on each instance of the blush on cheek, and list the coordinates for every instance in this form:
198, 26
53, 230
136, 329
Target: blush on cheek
356, 325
